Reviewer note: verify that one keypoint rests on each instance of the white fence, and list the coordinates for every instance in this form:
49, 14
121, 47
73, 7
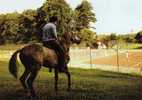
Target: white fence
80, 57
78, 54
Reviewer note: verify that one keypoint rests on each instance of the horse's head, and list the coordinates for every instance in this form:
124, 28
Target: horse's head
66, 39
71, 38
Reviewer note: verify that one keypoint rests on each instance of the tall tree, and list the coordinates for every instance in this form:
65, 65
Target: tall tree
84, 15
27, 25
57, 8
9, 27
2, 28
138, 37
87, 36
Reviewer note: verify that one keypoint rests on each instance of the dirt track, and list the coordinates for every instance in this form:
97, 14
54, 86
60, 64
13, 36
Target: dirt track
133, 59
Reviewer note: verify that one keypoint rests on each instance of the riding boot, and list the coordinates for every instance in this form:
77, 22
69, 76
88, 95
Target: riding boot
61, 65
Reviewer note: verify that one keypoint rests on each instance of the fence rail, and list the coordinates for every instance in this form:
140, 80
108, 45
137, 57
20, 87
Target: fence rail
79, 57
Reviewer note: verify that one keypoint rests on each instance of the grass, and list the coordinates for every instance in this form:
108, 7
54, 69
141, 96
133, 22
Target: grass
130, 45
87, 84
11, 46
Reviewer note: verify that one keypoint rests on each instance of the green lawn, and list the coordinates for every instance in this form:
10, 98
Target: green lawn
130, 45
11, 46
88, 84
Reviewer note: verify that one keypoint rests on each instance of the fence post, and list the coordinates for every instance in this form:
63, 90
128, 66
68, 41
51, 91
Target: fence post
117, 56
140, 68
90, 59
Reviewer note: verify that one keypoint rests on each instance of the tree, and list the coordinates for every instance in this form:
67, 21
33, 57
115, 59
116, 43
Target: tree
57, 8
138, 37
27, 25
87, 36
84, 15
2, 21
113, 36
9, 27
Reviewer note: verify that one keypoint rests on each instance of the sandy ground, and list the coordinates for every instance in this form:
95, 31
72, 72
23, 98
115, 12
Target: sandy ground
128, 62
132, 59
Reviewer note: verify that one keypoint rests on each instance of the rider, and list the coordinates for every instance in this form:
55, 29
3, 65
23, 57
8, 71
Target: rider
50, 39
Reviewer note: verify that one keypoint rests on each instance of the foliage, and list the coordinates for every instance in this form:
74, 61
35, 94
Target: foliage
9, 27
27, 26
87, 36
60, 9
138, 37
128, 38
84, 15
113, 36
112, 39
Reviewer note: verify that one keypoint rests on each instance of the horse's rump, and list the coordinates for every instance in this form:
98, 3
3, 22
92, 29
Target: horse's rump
37, 53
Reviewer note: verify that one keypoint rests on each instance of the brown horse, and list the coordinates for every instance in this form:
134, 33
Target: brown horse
34, 56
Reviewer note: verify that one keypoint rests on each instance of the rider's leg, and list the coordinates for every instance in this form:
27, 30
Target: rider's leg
61, 55
48, 45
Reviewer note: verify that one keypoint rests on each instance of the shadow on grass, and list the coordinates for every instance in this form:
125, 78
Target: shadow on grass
87, 85
74, 94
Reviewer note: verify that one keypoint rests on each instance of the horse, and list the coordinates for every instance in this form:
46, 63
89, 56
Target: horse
35, 56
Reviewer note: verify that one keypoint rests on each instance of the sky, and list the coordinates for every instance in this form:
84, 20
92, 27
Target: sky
113, 16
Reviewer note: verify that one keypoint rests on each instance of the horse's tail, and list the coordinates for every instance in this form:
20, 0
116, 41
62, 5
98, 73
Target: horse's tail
13, 65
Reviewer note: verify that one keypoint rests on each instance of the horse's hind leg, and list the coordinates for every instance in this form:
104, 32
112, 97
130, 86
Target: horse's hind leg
30, 80
24, 77
26, 73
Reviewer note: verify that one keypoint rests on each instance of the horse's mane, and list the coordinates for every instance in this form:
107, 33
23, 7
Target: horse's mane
65, 38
